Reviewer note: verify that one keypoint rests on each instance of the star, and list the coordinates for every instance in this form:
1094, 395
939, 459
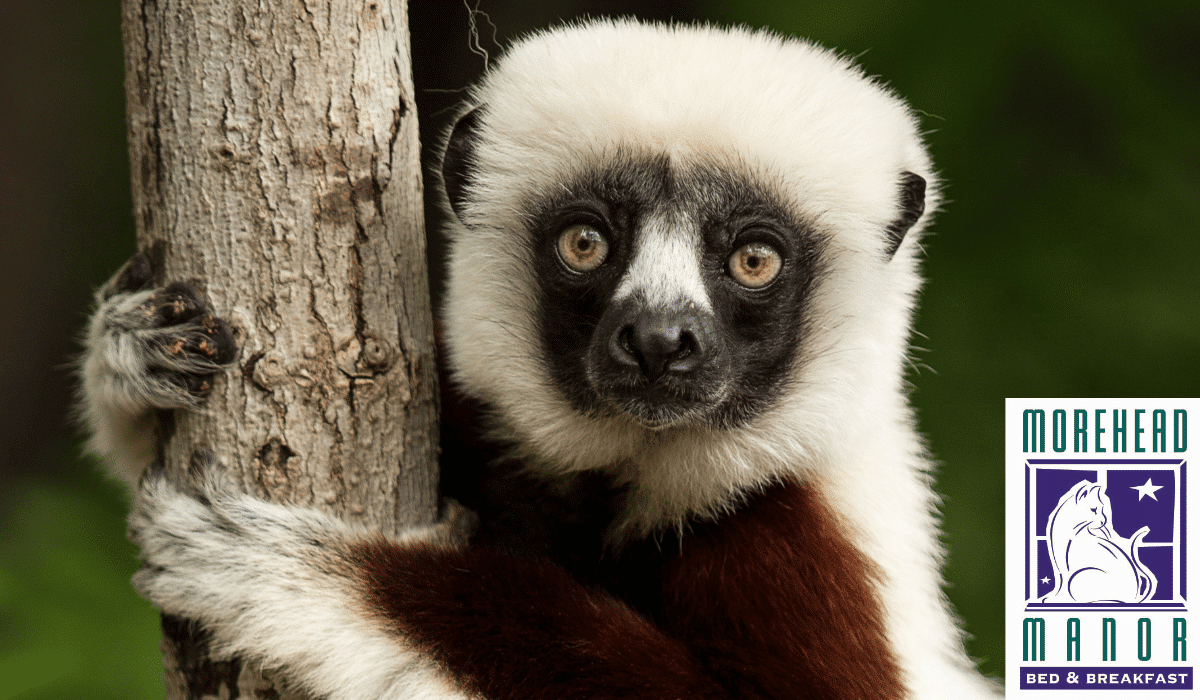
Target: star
1146, 489
1046, 579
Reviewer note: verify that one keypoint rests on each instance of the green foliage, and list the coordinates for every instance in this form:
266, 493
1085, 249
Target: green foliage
71, 625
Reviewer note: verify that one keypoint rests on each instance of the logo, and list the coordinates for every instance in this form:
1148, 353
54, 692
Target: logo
1098, 548
1105, 534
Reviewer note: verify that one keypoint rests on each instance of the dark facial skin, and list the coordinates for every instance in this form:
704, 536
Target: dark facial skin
667, 366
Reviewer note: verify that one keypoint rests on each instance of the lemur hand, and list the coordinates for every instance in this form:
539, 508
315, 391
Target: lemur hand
147, 348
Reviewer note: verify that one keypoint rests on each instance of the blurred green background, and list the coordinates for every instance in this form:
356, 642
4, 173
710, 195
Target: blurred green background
1065, 263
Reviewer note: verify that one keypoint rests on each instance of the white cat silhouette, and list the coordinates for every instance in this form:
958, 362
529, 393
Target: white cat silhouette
1092, 564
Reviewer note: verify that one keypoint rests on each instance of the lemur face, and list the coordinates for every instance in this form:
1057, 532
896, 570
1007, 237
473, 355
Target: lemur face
689, 237
669, 292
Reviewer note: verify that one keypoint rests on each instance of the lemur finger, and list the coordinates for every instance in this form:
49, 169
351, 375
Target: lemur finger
136, 274
219, 345
176, 303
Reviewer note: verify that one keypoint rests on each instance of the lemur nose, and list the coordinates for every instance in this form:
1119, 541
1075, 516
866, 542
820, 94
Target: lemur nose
662, 342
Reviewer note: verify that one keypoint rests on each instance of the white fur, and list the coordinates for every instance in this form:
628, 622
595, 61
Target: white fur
666, 266
268, 582
832, 144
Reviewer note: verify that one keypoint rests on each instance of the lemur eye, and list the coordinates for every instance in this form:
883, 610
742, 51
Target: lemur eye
582, 248
755, 265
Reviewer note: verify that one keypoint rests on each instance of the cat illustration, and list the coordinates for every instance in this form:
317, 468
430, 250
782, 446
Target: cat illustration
1093, 564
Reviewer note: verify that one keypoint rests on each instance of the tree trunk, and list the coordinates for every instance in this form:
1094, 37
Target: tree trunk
275, 161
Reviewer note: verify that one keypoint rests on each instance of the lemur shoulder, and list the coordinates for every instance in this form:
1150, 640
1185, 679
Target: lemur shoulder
683, 269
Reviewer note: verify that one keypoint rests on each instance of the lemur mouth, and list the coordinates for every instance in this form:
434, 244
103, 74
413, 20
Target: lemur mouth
664, 403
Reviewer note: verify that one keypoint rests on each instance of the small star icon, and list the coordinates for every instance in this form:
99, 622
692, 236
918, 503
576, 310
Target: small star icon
1146, 489
1046, 579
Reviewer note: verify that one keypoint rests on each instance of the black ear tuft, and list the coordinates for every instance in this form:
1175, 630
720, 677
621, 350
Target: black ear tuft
459, 163
912, 205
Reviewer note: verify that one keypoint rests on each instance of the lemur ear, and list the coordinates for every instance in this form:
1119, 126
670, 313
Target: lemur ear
912, 205
459, 162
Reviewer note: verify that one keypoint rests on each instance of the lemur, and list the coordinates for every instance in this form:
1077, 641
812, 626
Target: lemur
683, 267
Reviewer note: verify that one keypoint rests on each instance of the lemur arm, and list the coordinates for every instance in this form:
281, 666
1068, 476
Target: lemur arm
351, 614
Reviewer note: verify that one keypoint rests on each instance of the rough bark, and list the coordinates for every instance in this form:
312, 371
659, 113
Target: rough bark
275, 161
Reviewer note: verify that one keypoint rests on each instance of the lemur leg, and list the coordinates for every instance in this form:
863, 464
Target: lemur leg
353, 615
146, 349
